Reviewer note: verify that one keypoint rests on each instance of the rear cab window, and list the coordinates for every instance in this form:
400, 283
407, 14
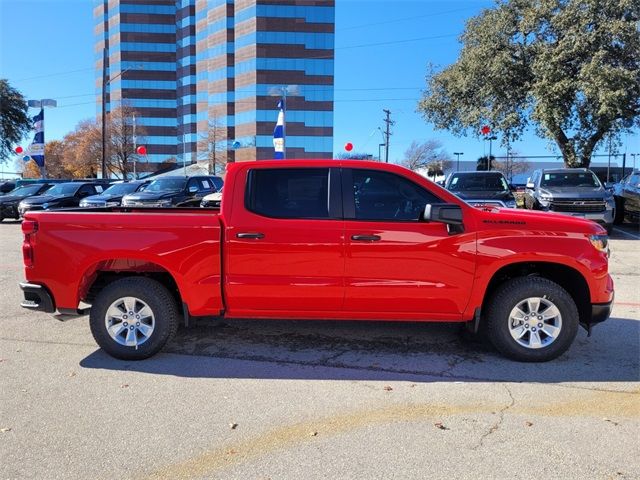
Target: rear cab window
288, 193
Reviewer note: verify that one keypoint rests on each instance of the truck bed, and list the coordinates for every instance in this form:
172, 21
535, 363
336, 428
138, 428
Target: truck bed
75, 247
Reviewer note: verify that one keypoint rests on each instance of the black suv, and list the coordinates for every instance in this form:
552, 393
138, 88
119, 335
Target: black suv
174, 192
482, 188
62, 195
9, 203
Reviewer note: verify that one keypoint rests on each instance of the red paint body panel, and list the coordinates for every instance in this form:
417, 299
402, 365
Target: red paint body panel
311, 268
70, 247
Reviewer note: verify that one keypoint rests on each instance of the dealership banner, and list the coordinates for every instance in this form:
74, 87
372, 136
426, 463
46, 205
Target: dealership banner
36, 149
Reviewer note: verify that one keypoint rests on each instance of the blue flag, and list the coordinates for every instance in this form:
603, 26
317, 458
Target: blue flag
36, 149
278, 134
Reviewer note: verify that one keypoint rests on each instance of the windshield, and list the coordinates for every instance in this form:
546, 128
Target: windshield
569, 179
64, 189
26, 190
166, 185
121, 188
473, 182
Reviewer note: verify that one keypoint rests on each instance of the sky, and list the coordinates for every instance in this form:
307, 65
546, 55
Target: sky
382, 49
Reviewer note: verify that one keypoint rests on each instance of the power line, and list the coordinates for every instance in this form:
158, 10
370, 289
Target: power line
385, 22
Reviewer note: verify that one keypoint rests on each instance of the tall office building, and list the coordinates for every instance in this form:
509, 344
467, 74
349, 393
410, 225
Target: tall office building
195, 68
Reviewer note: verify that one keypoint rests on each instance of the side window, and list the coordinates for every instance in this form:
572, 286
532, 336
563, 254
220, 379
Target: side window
86, 190
193, 182
217, 183
289, 192
204, 185
386, 196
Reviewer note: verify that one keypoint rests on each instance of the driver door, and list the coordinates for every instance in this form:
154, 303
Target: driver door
396, 265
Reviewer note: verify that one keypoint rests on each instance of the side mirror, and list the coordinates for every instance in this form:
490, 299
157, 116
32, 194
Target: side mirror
193, 190
448, 213
530, 185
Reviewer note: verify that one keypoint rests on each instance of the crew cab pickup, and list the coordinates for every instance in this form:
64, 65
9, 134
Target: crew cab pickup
321, 239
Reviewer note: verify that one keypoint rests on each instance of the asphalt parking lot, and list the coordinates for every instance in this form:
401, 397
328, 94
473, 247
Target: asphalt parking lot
310, 400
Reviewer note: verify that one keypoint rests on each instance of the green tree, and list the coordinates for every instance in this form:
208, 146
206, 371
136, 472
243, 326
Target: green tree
570, 68
14, 121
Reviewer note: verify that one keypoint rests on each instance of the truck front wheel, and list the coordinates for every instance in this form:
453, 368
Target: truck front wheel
532, 319
133, 318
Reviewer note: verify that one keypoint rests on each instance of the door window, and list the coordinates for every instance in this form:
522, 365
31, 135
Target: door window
387, 196
289, 192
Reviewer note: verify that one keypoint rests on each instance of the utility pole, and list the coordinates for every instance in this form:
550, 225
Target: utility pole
104, 112
387, 133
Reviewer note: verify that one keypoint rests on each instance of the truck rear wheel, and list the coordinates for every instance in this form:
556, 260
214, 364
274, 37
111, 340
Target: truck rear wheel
133, 318
532, 319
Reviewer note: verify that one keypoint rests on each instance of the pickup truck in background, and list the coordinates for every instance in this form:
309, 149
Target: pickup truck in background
482, 189
321, 239
571, 191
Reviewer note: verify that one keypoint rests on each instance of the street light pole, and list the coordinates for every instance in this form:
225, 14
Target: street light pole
490, 138
457, 154
106, 82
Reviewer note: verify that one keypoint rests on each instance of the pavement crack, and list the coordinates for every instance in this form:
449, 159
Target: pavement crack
498, 423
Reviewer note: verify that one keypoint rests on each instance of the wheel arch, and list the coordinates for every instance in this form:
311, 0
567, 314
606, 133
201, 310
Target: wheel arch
103, 272
567, 277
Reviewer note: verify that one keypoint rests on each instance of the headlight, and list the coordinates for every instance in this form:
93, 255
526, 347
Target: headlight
112, 204
45, 205
546, 198
83, 203
164, 203
600, 243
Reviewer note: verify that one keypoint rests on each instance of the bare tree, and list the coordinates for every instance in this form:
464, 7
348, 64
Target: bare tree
427, 155
120, 145
212, 146
512, 164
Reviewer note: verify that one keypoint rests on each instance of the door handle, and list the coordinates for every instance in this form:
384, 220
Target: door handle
254, 235
366, 238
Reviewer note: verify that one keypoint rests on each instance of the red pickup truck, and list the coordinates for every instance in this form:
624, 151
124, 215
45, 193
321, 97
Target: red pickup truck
314, 239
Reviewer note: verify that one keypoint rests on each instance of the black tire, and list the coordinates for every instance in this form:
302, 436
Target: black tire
509, 295
155, 296
619, 216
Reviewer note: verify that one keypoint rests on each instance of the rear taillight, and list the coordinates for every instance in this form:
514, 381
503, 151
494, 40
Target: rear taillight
29, 228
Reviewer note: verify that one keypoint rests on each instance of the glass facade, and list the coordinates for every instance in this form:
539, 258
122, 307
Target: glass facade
192, 66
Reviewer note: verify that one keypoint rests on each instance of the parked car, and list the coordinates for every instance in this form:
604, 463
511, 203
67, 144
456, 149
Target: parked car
62, 195
173, 192
9, 203
301, 239
627, 197
112, 196
570, 191
213, 200
6, 187
482, 188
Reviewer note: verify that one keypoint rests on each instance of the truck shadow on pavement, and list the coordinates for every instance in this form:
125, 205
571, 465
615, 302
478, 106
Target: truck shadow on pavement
416, 352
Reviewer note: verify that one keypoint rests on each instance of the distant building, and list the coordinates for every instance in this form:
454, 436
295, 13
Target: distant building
190, 66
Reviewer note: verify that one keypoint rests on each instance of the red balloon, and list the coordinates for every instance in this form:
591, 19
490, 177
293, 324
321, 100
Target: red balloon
19, 149
485, 130
142, 150
348, 146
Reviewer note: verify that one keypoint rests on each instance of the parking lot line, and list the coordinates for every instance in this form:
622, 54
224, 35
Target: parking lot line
637, 237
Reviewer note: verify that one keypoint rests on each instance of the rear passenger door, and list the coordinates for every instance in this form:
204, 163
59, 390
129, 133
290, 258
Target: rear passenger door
284, 248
